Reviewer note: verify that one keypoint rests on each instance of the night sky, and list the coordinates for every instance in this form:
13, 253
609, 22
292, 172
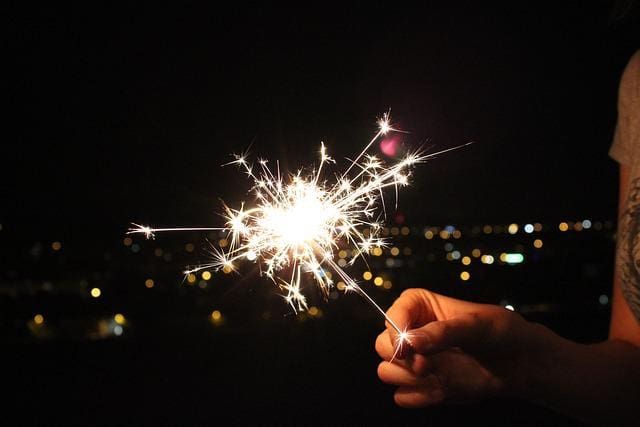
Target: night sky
126, 114
120, 114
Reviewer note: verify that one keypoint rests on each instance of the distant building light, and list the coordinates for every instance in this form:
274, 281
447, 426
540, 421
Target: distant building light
486, 259
514, 258
38, 319
119, 318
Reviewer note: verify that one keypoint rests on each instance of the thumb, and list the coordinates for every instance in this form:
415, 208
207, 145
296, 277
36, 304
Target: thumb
470, 331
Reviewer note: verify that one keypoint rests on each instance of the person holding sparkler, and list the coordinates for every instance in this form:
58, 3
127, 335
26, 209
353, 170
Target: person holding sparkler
460, 351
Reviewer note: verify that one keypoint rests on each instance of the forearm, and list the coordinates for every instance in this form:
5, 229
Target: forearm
597, 383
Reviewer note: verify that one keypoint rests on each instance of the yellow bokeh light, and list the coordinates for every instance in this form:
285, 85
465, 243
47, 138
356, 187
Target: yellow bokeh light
216, 315
486, 259
149, 283
96, 292
456, 234
537, 243
38, 319
444, 234
465, 275
119, 319
378, 281
428, 234
476, 253
342, 254
487, 229
367, 275
405, 231
191, 278
513, 228
395, 251
466, 260
313, 311
537, 227
127, 241
387, 284
223, 243
376, 251
341, 286
395, 231
227, 269
563, 226
56, 246
206, 275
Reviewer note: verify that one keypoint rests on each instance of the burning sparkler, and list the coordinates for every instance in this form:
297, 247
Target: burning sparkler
298, 221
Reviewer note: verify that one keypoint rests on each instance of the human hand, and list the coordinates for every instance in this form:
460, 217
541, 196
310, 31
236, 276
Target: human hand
457, 351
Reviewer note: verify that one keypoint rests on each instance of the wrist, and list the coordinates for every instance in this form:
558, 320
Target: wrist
542, 355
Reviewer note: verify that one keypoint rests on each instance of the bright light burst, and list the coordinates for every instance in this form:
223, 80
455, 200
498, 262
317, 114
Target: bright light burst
299, 221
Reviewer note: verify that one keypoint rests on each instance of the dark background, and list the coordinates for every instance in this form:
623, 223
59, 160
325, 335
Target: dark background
125, 113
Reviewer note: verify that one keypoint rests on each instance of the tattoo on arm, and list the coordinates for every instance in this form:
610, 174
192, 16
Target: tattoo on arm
629, 249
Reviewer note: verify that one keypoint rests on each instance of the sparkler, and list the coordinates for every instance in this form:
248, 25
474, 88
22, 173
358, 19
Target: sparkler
300, 220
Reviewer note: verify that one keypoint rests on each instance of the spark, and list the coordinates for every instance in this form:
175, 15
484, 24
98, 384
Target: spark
299, 221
